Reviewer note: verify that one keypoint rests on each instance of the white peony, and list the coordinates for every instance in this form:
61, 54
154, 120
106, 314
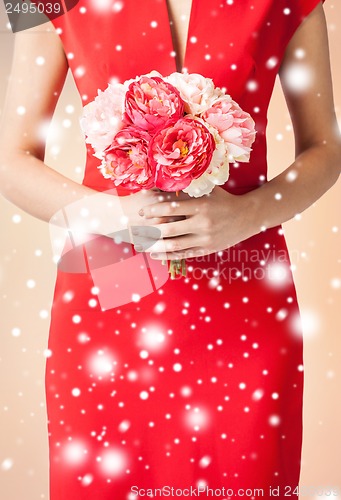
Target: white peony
102, 118
198, 93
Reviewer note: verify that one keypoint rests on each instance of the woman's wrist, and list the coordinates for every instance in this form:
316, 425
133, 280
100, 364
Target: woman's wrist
249, 207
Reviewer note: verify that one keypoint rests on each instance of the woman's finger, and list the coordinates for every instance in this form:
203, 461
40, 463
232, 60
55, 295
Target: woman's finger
165, 230
169, 209
184, 254
170, 245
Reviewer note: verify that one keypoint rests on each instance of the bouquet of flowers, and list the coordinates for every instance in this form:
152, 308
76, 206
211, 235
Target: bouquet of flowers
175, 133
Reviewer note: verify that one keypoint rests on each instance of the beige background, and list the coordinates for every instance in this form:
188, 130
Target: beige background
25, 254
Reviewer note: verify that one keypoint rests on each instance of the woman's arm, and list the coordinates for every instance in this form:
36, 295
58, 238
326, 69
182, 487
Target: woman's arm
221, 219
25, 179
32, 95
317, 137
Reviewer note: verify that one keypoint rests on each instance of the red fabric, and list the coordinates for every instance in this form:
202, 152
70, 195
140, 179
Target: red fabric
200, 424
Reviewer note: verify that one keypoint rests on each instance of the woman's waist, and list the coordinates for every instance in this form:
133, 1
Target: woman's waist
118, 275
103, 251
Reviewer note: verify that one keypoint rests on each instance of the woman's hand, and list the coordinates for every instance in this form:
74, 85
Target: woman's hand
133, 203
210, 223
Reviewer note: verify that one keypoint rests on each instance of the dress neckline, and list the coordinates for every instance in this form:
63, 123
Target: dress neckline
177, 63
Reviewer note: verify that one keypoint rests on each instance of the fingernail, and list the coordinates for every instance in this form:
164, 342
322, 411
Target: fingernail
141, 212
154, 255
138, 248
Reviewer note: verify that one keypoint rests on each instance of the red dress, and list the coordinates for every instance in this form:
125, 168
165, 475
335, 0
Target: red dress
198, 385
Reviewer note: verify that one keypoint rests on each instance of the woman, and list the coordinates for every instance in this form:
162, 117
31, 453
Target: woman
199, 383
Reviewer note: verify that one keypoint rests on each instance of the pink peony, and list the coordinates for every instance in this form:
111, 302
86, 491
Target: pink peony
102, 118
180, 152
150, 103
217, 172
235, 126
126, 160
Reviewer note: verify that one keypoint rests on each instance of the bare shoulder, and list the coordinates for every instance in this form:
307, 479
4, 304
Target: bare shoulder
43, 36
37, 75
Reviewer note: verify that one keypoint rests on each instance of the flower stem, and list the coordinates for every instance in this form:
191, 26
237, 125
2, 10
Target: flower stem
177, 266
